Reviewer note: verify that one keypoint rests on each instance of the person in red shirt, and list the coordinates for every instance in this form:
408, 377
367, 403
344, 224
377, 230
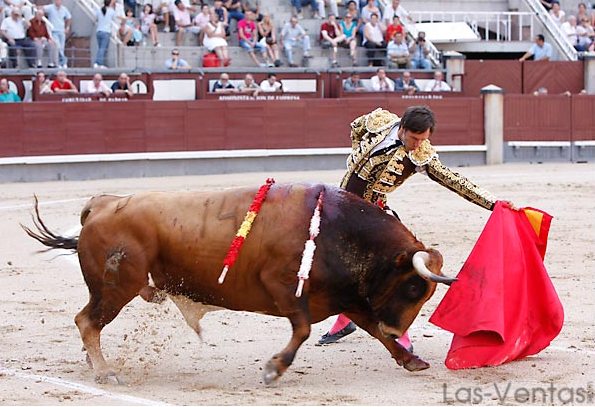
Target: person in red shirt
247, 35
395, 27
41, 38
331, 35
62, 84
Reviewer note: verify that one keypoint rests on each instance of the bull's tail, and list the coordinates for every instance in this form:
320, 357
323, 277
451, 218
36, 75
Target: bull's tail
46, 237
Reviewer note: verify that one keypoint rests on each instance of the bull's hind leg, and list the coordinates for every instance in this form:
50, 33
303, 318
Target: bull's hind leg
111, 287
296, 310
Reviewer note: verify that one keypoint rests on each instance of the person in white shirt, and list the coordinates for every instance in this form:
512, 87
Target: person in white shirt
569, 29
557, 13
393, 9
97, 86
437, 84
374, 41
398, 52
381, 83
270, 84
14, 30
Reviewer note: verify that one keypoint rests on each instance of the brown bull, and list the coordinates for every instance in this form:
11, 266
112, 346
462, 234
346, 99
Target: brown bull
367, 264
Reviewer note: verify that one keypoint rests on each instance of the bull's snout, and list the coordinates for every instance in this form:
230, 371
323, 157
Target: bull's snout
420, 264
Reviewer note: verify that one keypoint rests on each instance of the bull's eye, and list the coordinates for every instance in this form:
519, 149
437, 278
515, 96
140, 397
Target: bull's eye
415, 289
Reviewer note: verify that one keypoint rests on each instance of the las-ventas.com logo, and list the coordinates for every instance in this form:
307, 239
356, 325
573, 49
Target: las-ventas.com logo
507, 392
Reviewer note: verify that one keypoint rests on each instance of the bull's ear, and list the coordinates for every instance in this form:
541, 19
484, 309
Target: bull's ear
401, 259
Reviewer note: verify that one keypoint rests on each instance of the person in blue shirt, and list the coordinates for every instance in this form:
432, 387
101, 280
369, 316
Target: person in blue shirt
7, 95
540, 51
60, 18
104, 17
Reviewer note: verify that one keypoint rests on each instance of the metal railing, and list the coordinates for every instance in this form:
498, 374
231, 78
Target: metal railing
558, 37
496, 26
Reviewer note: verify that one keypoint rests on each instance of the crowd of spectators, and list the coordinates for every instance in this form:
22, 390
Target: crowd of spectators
381, 82
576, 26
248, 86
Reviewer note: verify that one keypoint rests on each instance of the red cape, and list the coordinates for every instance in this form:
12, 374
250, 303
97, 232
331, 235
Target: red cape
503, 306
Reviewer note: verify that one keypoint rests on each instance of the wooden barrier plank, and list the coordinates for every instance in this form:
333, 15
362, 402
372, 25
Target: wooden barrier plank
556, 76
583, 117
505, 74
537, 118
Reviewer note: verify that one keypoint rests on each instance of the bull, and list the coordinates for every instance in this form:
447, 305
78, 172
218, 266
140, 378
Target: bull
367, 265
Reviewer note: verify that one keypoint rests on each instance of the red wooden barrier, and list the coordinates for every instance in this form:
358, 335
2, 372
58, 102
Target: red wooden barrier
537, 118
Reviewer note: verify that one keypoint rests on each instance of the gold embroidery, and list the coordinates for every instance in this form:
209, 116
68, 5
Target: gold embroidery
380, 120
459, 184
423, 154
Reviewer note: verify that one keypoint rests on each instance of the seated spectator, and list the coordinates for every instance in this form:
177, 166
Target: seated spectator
176, 62
43, 83
394, 27
369, 9
332, 5
7, 95
223, 85
585, 34
183, 22
437, 84
354, 83
398, 52
374, 41
569, 28
353, 10
97, 86
557, 13
331, 36
62, 84
222, 14
584, 13
294, 35
406, 84
248, 38
234, 10
268, 37
381, 83
298, 4
14, 32
419, 51
540, 50
147, 24
200, 22
394, 9
122, 87
349, 29
41, 38
214, 39
125, 32
249, 86
270, 84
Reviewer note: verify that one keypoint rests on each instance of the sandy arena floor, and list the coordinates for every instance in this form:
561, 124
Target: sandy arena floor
164, 362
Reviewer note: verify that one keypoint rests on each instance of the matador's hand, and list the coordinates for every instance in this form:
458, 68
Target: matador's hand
511, 205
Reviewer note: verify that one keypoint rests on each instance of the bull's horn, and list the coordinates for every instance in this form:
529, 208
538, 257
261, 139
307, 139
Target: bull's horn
420, 261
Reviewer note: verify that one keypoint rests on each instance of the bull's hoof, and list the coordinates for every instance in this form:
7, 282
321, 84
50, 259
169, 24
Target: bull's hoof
416, 364
271, 373
108, 377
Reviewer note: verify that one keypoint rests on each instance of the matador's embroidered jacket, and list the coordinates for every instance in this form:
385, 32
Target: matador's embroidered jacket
372, 176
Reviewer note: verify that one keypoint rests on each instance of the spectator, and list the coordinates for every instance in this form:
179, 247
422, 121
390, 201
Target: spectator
349, 27
374, 41
221, 13
270, 84
398, 52
540, 51
125, 32
547, 4
369, 9
223, 85
437, 84
354, 83
122, 87
38, 32
569, 29
183, 21
60, 18
214, 39
249, 86
394, 9
62, 84
394, 27
583, 13
13, 29
148, 26
419, 51
175, 62
234, 10
585, 34
332, 5
200, 22
541, 91
406, 84
381, 83
353, 10
331, 36
298, 4
43, 83
248, 38
104, 17
557, 13
7, 95
97, 86
294, 35
268, 37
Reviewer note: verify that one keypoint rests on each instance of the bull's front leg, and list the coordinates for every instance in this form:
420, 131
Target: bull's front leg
401, 355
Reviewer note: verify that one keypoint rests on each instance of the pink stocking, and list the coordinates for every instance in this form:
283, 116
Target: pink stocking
404, 340
341, 322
